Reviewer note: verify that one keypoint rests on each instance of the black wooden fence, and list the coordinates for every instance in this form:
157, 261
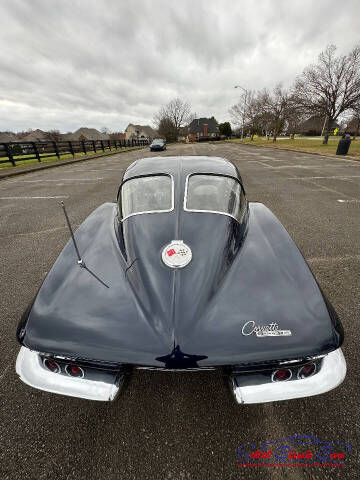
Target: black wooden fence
20, 151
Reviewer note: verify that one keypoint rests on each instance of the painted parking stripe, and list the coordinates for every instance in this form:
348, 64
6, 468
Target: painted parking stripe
348, 201
60, 180
331, 177
28, 198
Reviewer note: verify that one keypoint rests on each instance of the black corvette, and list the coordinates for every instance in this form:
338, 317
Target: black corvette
181, 273
157, 144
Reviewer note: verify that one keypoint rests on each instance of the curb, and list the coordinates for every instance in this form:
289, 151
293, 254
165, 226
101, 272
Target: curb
59, 163
343, 157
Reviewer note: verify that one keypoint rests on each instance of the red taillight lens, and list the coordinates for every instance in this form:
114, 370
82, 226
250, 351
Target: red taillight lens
281, 375
74, 371
307, 370
51, 365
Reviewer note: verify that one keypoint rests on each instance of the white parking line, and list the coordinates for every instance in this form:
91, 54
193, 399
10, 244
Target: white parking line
348, 201
27, 198
333, 176
60, 180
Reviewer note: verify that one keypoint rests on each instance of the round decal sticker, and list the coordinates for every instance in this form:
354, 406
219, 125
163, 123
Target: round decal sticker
177, 254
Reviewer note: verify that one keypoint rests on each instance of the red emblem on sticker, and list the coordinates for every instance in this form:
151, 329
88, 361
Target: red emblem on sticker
171, 252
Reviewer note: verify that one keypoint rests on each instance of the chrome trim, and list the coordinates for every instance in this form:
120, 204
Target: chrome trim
302, 366
207, 211
164, 369
151, 211
30, 370
330, 375
73, 365
277, 381
48, 369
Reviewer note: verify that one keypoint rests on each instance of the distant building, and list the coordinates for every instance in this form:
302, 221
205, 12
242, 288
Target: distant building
35, 136
8, 137
85, 133
314, 125
203, 127
140, 132
353, 127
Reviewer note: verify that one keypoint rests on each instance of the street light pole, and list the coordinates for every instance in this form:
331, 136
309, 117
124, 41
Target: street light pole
243, 115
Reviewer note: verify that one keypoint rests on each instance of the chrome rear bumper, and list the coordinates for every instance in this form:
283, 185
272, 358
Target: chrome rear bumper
31, 371
331, 374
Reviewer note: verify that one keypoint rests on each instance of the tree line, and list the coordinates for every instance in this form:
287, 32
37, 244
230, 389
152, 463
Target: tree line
328, 89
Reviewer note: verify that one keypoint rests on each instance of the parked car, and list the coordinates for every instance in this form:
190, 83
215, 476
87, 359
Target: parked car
181, 273
157, 144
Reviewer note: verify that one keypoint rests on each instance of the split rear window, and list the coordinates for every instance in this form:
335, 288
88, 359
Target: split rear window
214, 193
147, 195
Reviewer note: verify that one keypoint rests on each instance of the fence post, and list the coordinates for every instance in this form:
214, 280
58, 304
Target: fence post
9, 154
56, 149
102, 145
83, 146
94, 145
71, 149
36, 151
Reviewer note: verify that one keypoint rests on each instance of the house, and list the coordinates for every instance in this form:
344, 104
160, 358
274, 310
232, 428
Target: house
8, 137
35, 136
203, 128
353, 127
140, 132
314, 125
85, 133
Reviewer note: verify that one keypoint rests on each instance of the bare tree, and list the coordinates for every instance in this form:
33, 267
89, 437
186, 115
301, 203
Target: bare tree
105, 130
277, 107
248, 114
53, 135
330, 87
172, 117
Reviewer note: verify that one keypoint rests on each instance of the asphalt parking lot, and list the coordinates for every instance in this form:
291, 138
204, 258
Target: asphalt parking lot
175, 426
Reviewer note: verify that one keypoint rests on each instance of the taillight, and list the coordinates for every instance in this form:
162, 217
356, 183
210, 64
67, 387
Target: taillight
281, 375
51, 365
74, 371
307, 370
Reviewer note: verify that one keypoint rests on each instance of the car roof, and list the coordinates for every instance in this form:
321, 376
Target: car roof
181, 166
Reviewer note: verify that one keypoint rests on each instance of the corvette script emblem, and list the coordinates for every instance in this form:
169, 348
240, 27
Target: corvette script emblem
177, 254
271, 330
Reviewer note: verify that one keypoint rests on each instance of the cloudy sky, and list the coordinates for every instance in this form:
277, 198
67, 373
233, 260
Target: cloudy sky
71, 63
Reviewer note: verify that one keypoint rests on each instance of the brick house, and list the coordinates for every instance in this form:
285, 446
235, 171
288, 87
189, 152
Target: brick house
203, 128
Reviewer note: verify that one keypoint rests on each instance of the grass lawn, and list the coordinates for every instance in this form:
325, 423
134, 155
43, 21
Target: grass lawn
53, 158
304, 144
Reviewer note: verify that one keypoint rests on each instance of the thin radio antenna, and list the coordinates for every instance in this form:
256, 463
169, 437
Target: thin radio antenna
80, 262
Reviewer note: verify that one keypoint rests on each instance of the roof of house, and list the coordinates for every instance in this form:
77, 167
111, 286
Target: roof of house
89, 134
34, 136
197, 125
8, 137
143, 128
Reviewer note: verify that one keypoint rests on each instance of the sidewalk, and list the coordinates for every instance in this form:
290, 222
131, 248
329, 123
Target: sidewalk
13, 171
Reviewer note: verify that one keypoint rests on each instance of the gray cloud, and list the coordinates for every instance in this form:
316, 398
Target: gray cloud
67, 63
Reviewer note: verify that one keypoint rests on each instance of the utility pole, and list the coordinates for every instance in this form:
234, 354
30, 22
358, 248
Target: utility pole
243, 115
